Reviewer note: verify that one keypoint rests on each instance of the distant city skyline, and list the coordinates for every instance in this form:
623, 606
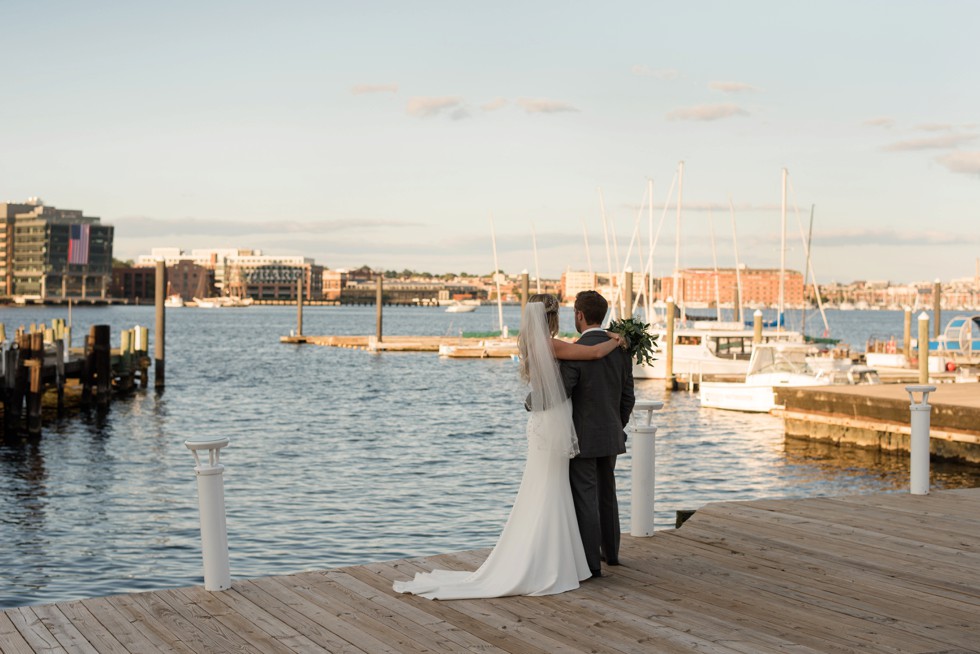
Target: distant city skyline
389, 134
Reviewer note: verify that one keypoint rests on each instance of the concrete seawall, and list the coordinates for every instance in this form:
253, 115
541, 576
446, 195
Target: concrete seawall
878, 417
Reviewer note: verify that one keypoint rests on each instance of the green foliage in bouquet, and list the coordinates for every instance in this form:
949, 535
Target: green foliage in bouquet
639, 342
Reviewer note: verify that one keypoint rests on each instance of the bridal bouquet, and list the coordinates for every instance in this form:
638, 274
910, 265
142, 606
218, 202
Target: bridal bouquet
636, 334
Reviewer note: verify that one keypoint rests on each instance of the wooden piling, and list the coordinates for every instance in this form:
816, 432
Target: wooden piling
525, 291
299, 305
907, 335
101, 353
59, 368
627, 294
670, 380
35, 389
379, 302
159, 338
125, 367
937, 302
923, 348
88, 370
757, 326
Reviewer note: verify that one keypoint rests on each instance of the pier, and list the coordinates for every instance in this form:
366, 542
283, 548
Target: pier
464, 347
893, 572
877, 416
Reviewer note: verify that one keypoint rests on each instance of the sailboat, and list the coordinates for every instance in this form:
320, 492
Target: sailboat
710, 347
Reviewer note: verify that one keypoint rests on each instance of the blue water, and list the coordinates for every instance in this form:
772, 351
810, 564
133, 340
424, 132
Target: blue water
341, 457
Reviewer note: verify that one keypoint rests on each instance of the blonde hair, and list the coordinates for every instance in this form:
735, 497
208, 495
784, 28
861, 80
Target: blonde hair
551, 307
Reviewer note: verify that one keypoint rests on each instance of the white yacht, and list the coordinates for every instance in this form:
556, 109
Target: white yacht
777, 365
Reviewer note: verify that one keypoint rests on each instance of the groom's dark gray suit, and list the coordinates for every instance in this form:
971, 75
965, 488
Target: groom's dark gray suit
602, 400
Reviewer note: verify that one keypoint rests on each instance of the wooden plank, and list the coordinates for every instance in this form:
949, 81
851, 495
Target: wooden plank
381, 575
277, 602
852, 596
480, 617
580, 626
188, 615
94, 631
147, 623
953, 536
924, 562
11, 642
62, 628
407, 616
127, 631
332, 599
260, 630
32, 630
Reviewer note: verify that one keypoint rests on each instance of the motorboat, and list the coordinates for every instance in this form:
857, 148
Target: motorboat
459, 307
778, 365
174, 300
708, 348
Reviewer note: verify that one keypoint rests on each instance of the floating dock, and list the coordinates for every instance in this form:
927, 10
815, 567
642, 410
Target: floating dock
877, 416
460, 347
895, 573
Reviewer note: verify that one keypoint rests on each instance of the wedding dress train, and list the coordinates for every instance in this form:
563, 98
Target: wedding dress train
540, 549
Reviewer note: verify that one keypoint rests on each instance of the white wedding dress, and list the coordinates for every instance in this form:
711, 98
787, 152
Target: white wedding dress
540, 550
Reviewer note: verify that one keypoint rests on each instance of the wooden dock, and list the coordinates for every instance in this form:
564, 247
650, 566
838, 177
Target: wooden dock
878, 573
878, 416
459, 347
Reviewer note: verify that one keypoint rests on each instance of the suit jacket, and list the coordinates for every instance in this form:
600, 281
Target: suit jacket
602, 399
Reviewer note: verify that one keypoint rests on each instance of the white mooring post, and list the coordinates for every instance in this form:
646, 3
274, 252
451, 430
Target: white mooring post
211, 498
919, 439
643, 464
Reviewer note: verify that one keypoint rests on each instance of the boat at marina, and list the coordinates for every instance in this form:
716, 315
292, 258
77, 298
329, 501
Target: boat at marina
461, 307
708, 348
778, 365
174, 300
222, 302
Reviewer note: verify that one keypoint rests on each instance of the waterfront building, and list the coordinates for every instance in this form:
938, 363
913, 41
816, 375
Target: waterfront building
237, 272
50, 253
760, 287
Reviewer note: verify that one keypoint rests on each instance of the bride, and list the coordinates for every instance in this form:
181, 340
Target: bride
540, 550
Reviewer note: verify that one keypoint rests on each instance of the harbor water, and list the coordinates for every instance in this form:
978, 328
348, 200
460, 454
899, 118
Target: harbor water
342, 456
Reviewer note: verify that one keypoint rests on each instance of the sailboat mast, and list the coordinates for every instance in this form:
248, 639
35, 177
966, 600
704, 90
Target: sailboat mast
537, 266
714, 262
782, 259
588, 251
677, 241
738, 267
605, 234
496, 278
649, 267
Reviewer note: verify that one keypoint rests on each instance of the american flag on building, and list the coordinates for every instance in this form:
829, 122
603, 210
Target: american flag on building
78, 240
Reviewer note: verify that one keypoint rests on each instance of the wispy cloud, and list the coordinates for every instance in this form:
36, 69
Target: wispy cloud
932, 143
542, 106
495, 104
732, 87
362, 89
880, 121
425, 107
706, 112
967, 163
889, 237
934, 127
643, 70
145, 226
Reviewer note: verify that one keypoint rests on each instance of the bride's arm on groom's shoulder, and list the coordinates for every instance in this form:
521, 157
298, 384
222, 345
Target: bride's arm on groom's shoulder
576, 352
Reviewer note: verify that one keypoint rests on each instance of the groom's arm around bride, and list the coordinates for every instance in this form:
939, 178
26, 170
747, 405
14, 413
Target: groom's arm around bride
602, 401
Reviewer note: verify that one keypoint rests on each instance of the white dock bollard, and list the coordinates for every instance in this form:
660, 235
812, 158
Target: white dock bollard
211, 499
919, 440
643, 468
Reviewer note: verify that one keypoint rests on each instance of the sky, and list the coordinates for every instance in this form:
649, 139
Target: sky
408, 134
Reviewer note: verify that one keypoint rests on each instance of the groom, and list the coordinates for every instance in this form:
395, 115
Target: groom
602, 400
